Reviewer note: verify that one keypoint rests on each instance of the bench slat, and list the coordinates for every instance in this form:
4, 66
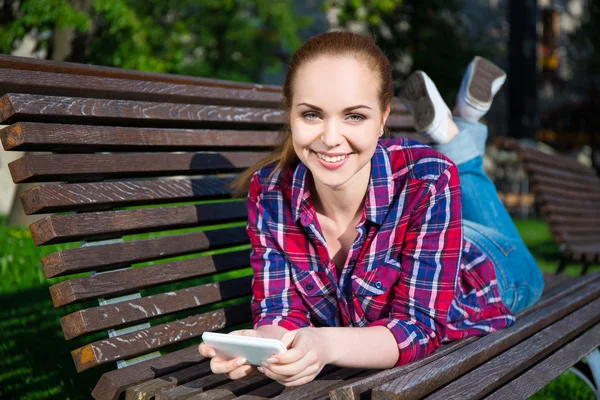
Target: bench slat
561, 186
556, 160
149, 389
317, 388
111, 316
78, 110
551, 295
37, 108
585, 252
107, 256
509, 364
131, 280
564, 202
423, 381
553, 173
113, 383
112, 224
142, 309
85, 196
77, 167
560, 210
32, 64
34, 136
150, 339
591, 193
234, 387
60, 84
530, 382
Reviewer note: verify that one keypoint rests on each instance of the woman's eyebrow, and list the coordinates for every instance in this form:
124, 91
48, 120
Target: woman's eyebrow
348, 109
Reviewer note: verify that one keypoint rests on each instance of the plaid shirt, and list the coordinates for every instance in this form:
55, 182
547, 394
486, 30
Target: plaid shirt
409, 269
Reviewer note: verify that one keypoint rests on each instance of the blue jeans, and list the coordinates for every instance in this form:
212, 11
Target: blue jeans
487, 223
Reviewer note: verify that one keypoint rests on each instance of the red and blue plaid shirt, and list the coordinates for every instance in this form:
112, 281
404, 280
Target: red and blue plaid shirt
409, 269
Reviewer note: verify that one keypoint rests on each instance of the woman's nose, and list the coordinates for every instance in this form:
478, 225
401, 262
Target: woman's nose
331, 135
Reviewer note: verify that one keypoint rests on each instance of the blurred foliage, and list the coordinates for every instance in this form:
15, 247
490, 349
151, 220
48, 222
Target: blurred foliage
418, 34
588, 37
226, 39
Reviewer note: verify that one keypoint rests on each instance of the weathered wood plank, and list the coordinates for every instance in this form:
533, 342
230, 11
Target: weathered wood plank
33, 136
149, 389
496, 372
32, 64
60, 109
318, 387
531, 381
364, 387
558, 161
146, 340
78, 167
562, 184
275, 388
113, 383
78, 110
95, 258
61, 84
86, 196
112, 224
142, 309
132, 280
550, 172
422, 381
196, 389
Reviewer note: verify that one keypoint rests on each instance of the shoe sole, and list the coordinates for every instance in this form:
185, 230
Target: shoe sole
483, 76
415, 93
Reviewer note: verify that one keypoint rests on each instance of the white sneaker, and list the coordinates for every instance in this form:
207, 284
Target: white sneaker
479, 85
429, 111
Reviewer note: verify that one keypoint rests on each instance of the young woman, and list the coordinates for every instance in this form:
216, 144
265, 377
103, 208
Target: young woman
371, 253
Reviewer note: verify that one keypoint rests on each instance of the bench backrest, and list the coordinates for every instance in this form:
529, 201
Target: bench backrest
134, 168
568, 194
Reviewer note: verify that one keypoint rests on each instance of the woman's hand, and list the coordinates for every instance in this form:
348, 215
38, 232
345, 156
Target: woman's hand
234, 368
307, 354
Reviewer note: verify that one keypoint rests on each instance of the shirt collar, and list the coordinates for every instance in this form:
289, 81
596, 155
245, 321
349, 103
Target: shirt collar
379, 191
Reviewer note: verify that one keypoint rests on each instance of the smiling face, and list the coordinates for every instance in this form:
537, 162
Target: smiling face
336, 119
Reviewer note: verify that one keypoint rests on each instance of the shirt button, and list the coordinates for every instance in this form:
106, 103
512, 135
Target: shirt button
378, 285
310, 286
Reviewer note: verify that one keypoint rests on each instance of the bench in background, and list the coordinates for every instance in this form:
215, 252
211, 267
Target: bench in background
116, 153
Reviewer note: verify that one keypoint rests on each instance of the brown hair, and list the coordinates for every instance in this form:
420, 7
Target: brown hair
334, 44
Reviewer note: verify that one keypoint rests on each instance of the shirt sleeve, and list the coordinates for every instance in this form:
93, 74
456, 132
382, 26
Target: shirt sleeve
275, 300
430, 260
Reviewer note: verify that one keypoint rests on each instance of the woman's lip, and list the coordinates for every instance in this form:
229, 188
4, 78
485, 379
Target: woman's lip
334, 165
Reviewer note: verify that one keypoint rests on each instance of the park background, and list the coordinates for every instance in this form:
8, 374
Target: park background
550, 49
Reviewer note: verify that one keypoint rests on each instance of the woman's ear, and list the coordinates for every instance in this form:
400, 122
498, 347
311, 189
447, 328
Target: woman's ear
386, 114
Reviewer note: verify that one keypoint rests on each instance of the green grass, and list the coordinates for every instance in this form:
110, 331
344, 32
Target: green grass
35, 361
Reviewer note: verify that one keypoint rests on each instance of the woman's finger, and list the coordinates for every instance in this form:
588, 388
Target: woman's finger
206, 351
241, 372
294, 367
220, 366
313, 370
300, 381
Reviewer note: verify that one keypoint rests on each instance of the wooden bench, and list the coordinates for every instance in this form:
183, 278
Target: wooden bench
568, 194
128, 153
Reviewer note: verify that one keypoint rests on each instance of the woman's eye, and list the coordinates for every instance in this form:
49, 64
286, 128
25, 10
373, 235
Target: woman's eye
356, 117
310, 116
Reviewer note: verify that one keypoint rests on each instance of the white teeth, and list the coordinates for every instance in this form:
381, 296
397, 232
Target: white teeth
331, 159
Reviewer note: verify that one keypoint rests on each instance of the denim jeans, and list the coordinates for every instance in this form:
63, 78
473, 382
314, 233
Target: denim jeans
487, 223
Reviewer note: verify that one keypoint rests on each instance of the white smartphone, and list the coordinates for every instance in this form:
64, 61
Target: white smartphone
255, 350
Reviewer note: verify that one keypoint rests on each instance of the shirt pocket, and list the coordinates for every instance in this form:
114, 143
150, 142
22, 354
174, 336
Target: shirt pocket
318, 295
374, 290
312, 283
